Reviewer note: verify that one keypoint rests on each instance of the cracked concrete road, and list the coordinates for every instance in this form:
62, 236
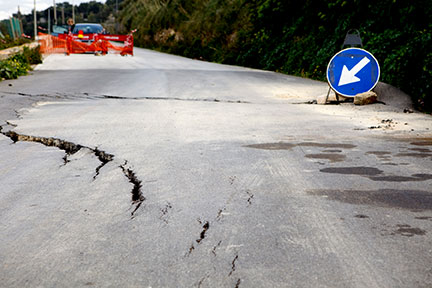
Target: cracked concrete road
161, 171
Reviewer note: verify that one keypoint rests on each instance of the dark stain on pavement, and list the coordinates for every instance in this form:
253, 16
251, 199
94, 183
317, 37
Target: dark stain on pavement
414, 155
361, 216
414, 177
424, 218
289, 146
408, 231
423, 142
375, 174
332, 151
328, 156
384, 155
424, 150
378, 153
417, 200
360, 170
327, 145
272, 146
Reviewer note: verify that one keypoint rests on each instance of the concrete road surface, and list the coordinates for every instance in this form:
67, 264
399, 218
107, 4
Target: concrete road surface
161, 171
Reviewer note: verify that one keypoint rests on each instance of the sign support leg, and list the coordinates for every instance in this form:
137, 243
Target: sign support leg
328, 94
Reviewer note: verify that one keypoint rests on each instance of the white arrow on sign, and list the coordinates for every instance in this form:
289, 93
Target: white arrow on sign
348, 76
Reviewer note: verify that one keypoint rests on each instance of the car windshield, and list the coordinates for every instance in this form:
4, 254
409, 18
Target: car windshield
88, 28
59, 29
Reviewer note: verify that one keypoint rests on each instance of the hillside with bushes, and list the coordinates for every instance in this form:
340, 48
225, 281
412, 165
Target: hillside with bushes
293, 37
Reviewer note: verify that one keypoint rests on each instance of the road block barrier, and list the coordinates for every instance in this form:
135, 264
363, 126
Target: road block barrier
96, 43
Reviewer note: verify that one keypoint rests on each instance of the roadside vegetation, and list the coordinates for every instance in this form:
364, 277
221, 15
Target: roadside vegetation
293, 37
7, 42
20, 63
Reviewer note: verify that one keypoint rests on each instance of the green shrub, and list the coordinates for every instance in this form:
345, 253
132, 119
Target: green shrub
33, 55
20, 63
12, 68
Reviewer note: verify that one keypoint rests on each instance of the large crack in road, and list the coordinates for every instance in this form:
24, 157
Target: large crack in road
71, 148
93, 96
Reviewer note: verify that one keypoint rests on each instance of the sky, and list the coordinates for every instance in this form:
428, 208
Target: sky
8, 7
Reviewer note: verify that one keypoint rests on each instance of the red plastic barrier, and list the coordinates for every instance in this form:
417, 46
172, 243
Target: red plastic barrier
98, 43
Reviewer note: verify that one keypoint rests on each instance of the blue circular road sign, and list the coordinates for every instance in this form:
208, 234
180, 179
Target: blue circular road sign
353, 71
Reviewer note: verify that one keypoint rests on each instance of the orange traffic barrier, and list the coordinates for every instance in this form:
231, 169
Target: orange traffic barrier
100, 43
50, 44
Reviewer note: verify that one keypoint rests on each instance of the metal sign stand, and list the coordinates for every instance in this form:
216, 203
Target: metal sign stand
352, 39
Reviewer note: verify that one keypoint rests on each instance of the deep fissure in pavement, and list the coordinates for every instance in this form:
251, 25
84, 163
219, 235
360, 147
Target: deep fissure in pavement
206, 226
233, 265
104, 158
71, 148
172, 99
137, 197
90, 96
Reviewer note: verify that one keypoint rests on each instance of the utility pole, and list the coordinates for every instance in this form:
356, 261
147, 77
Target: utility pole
49, 21
63, 20
35, 20
55, 13
73, 11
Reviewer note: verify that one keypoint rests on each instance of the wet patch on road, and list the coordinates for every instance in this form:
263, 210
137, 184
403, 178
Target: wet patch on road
383, 155
289, 146
417, 200
414, 155
272, 146
408, 231
423, 150
360, 170
424, 218
327, 156
374, 174
327, 145
414, 177
378, 153
423, 142
361, 216
400, 230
